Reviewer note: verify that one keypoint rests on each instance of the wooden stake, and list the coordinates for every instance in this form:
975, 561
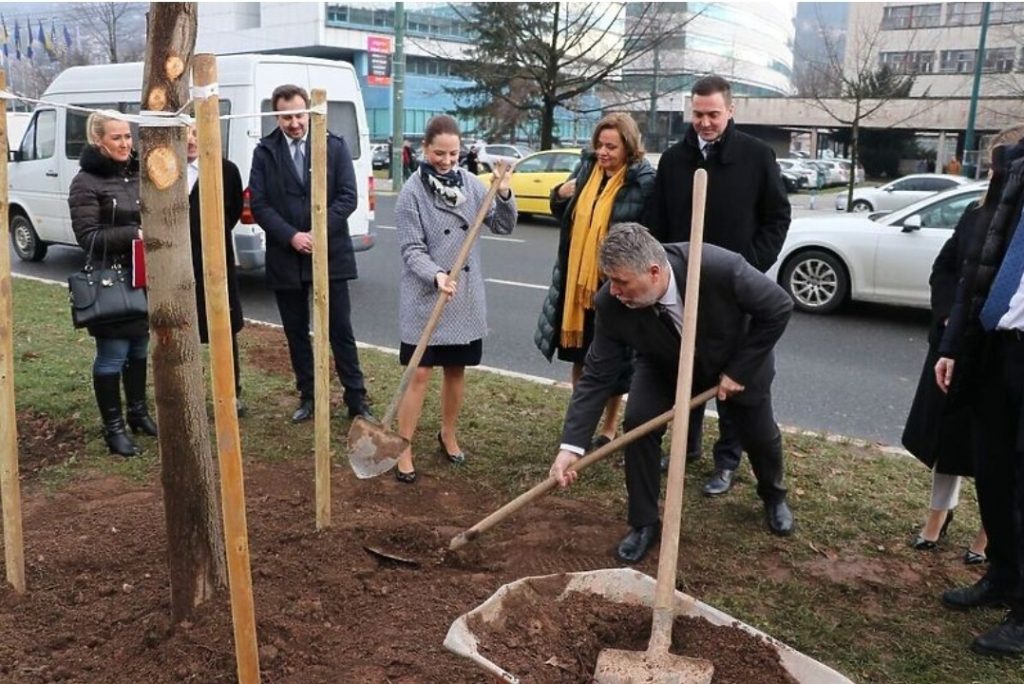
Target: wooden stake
10, 488
229, 447
321, 319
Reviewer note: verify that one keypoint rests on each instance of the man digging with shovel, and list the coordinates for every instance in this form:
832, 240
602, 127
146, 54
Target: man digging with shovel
640, 307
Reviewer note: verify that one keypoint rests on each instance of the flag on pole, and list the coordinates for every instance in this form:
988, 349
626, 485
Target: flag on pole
17, 39
41, 35
51, 41
3, 27
67, 37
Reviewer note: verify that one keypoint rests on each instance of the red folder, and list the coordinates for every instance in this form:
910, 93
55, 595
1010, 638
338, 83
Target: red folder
138, 263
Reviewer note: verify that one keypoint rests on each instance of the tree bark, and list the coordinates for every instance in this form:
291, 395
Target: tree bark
195, 546
547, 123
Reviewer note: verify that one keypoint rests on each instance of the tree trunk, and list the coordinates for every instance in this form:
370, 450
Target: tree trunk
195, 546
854, 134
547, 124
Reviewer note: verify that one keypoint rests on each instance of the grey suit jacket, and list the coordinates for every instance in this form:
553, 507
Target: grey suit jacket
741, 315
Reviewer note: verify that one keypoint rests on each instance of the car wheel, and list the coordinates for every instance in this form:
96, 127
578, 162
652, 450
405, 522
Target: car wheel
816, 281
25, 240
862, 205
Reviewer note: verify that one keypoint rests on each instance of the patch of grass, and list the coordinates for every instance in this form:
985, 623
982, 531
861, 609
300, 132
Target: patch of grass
846, 588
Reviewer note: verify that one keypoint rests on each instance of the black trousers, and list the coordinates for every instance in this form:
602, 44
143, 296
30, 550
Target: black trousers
727, 450
999, 460
293, 305
652, 393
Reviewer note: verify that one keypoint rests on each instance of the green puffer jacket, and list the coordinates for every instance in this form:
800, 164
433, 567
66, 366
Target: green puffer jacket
630, 205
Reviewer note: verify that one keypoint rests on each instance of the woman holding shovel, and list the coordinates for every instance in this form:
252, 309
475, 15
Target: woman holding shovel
613, 184
433, 214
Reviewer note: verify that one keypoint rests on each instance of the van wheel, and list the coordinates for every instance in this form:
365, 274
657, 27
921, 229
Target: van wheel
25, 240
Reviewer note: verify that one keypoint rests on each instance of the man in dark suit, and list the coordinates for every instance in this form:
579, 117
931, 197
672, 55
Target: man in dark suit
741, 316
280, 186
748, 212
232, 205
982, 364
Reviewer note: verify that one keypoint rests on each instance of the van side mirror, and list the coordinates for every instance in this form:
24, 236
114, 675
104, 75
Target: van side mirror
912, 223
14, 155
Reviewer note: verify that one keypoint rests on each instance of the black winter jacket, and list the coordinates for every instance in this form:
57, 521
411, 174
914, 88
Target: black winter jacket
747, 208
630, 205
106, 217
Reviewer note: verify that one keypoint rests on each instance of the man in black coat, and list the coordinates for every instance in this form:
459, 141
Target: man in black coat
747, 212
280, 186
982, 352
742, 314
232, 205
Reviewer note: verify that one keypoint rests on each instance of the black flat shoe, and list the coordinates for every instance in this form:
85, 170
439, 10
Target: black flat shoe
921, 543
454, 459
304, 412
779, 518
973, 558
405, 478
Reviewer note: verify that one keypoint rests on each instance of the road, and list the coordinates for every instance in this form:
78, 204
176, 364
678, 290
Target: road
852, 373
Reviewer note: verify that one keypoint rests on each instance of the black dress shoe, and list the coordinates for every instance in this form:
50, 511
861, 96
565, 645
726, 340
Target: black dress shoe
720, 482
780, 518
1005, 639
982, 593
634, 546
361, 410
304, 412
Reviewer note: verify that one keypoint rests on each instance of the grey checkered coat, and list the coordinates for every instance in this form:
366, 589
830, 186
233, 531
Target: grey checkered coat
430, 234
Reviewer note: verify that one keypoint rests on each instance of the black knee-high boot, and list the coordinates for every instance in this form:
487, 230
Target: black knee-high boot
108, 397
134, 374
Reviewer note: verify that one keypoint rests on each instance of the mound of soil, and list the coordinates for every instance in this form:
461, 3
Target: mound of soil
541, 639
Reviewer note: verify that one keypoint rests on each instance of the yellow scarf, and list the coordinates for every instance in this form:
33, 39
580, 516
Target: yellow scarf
590, 221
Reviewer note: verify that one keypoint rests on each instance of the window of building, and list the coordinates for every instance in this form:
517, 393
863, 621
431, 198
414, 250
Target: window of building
963, 13
957, 61
1006, 13
912, 16
919, 62
999, 60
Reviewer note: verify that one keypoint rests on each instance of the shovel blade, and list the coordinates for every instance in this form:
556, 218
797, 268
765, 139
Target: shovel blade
642, 667
372, 450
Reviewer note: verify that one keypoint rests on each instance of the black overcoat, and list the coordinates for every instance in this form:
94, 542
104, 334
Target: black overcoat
281, 205
747, 211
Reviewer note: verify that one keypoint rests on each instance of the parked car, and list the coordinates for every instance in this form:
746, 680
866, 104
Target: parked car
845, 165
535, 175
815, 178
380, 159
488, 155
793, 181
900, 192
835, 173
880, 257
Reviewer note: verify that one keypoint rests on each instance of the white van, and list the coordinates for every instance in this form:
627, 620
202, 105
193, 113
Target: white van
43, 165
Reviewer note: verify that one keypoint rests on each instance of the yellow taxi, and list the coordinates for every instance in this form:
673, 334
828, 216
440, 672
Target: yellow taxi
536, 174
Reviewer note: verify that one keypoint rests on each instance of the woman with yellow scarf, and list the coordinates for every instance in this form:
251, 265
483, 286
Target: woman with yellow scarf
612, 184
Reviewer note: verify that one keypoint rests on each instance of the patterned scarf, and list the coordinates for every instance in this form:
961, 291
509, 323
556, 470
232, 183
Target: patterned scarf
590, 222
447, 186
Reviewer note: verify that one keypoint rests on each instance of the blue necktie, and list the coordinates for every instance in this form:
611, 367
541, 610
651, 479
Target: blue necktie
1007, 280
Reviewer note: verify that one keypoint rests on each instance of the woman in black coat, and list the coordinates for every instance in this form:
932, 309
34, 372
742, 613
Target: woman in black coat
938, 436
105, 216
621, 180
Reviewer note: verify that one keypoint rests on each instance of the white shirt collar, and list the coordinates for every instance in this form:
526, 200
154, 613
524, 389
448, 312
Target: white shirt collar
670, 300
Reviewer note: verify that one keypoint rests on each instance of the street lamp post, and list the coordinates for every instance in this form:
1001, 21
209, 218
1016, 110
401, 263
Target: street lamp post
971, 170
398, 100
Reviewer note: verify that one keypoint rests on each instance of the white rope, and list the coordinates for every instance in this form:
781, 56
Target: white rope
159, 119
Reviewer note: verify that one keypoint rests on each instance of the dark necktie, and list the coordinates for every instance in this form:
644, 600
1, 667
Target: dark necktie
1007, 280
299, 157
710, 150
666, 319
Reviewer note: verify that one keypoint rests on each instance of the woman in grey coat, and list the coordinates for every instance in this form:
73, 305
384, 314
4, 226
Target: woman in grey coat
434, 212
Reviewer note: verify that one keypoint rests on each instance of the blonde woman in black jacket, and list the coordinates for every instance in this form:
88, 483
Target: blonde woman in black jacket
105, 216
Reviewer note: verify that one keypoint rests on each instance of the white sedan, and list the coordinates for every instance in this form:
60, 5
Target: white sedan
900, 192
878, 257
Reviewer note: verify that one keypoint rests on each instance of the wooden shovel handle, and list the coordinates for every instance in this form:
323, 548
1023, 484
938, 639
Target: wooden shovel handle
442, 298
668, 555
593, 457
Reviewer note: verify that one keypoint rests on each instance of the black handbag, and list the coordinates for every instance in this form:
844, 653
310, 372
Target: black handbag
105, 295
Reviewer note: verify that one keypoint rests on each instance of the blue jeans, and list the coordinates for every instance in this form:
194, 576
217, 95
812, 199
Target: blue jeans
113, 352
